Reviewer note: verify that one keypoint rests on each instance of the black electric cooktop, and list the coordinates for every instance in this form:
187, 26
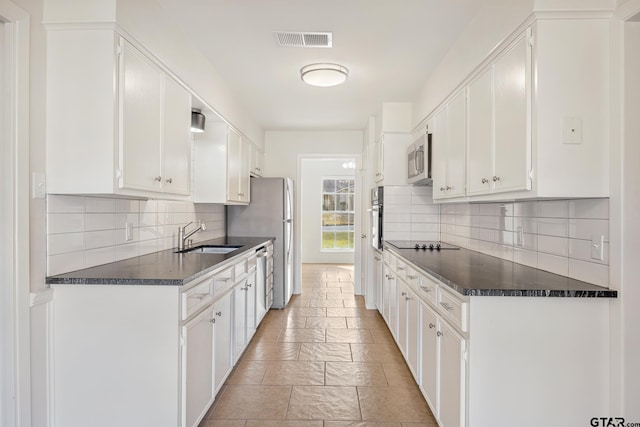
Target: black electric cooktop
421, 245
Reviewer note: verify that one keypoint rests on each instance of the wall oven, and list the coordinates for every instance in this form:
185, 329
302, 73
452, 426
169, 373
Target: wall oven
377, 196
419, 159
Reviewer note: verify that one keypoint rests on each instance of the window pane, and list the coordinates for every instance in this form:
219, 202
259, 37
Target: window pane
342, 221
329, 202
350, 203
328, 186
328, 240
343, 202
343, 186
342, 240
328, 220
351, 237
350, 222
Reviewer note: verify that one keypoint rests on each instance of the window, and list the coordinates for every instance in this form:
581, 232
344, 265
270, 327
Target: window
338, 213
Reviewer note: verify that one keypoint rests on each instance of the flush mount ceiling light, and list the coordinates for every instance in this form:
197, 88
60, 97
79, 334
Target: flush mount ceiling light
324, 75
197, 121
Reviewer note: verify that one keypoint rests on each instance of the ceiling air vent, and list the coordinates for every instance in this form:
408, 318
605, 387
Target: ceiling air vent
304, 39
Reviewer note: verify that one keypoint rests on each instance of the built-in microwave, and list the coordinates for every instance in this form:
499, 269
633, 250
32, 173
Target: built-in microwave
419, 159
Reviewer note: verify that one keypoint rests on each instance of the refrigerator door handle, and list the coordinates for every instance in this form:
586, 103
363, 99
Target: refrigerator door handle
287, 221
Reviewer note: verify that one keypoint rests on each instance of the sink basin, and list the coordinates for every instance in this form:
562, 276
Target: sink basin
211, 249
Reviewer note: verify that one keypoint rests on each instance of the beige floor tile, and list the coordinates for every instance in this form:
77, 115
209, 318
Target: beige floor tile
332, 352
355, 374
324, 403
366, 323
350, 303
248, 372
294, 373
252, 402
299, 303
347, 289
283, 423
359, 424
382, 336
222, 423
399, 404
335, 284
302, 335
266, 335
272, 351
432, 423
293, 322
326, 322
306, 312
344, 312
326, 303
398, 374
375, 353
349, 335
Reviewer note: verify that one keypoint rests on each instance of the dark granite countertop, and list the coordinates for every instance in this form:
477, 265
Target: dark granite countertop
159, 268
475, 274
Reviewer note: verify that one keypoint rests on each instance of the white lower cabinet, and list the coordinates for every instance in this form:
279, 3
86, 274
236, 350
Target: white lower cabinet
158, 354
197, 370
524, 350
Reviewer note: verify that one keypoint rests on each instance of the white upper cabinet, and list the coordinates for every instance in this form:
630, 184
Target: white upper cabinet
221, 167
536, 118
257, 161
499, 140
125, 135
449, 149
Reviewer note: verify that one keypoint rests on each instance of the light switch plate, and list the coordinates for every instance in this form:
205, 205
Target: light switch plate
597, 247
39, 185
520, 236
128, 231
571, 130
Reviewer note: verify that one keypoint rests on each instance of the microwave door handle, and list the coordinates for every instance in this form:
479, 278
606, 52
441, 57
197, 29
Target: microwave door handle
415, 160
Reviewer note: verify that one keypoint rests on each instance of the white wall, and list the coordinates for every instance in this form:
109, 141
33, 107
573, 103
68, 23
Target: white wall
313, 171
284, 151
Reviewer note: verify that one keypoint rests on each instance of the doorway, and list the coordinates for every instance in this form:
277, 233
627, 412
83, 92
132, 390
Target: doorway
328, 208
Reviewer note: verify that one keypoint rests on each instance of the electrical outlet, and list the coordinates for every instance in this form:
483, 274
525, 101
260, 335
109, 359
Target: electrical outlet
128, 231
597, 247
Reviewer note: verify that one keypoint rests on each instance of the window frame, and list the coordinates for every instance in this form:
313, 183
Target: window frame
352, 212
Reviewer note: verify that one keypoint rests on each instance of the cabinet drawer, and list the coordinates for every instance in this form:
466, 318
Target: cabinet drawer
240, 269
223, 281
429, 289
197, 297
455, 310
412, 278
252, 261
401, 270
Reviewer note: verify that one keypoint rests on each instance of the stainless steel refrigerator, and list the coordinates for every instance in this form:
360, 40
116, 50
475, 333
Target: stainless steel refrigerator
269, 214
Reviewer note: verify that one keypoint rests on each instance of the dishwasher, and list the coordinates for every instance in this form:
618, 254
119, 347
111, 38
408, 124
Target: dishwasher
261, 284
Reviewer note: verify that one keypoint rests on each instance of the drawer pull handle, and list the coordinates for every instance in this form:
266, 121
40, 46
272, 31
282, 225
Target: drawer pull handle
439, 333
412, 277
431, 326
201, 296
390, 277
446, 306
425, 289
401, 268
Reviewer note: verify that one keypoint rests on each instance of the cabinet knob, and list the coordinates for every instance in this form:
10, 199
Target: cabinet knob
243, 288
425, 289
449, 188
212, 320
442, 188
158, 178
377, 258
248, 285
485, 181
219, 313
496, 178
170, 180
390, 277
404, 294
408, 298
439, 333
431, 326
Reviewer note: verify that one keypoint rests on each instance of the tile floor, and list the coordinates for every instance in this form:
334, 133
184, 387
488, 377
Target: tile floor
324, 361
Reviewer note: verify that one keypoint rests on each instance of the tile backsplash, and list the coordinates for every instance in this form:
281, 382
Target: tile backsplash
555, 236
88, 231
410, 214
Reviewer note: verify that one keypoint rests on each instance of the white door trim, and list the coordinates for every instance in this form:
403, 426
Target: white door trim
15, 385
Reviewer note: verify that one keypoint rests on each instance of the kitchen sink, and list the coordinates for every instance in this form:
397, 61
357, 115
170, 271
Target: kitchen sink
211, 249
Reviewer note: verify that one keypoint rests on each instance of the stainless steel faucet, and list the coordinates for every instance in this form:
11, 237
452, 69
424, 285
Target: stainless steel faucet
182, 237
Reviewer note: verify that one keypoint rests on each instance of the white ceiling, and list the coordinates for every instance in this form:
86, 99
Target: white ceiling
389, 47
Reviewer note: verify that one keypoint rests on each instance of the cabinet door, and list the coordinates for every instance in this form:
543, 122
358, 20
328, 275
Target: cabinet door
385, 293
512, 135
379, 160
239, 320
141, 84
413, 328
222, 340
197, 368
245, 171
176, 173
251, 306
378, 275
429, 356
452, 377
439, 151
234, 166
257, 160
402, 317
456, 141
393, 304
480, 133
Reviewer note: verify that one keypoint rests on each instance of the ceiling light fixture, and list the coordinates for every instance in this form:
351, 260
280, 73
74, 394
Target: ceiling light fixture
197, 121
324, 75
